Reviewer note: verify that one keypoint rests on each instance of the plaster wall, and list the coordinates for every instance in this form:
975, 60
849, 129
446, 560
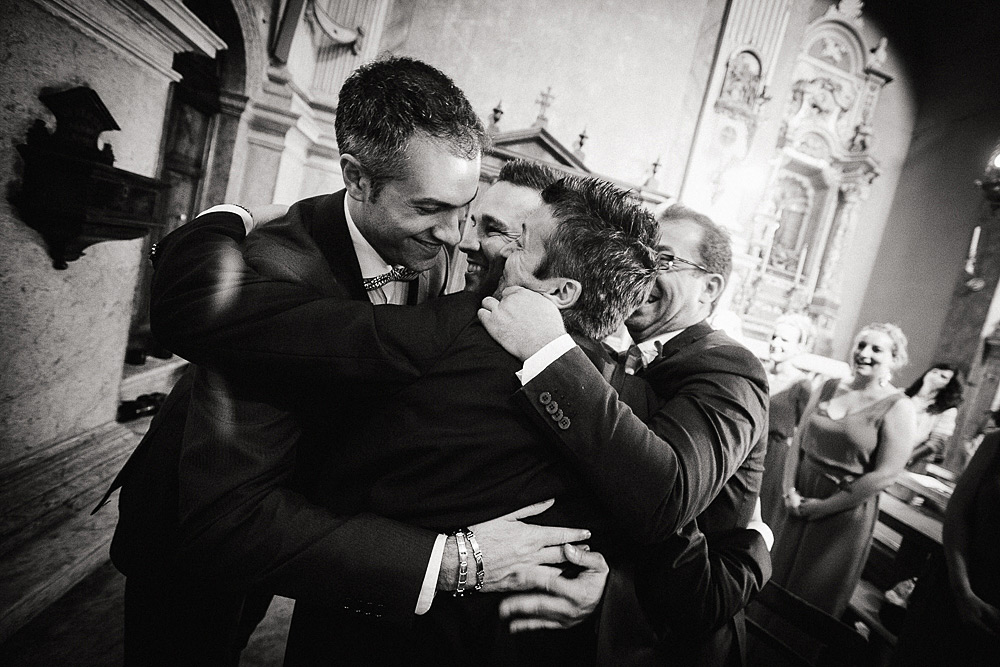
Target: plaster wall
622, 70
63, 333
922, 253
893, 124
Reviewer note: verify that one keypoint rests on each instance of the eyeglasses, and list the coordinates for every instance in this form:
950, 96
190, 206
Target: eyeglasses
665, 261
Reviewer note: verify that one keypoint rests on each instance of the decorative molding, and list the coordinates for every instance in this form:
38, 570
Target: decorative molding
848, 11
183, 20
148, 35
337, 55
232, 104
254, 47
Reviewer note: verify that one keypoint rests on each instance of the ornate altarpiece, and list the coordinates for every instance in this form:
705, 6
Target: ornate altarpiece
821, 176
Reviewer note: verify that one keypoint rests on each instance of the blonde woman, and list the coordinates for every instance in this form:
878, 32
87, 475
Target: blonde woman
854, 440
789, 390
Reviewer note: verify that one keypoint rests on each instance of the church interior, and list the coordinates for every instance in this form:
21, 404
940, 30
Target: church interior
851, 149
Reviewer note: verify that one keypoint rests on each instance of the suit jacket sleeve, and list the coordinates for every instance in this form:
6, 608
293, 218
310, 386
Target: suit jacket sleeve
242, 525
271, 311
707, 584
272, 318
654, 478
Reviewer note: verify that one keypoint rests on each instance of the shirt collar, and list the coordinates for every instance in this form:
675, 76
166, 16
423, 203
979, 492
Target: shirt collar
650, 348
369, 260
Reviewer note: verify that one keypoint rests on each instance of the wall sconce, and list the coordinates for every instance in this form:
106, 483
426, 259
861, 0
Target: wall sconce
990, 182
70, 192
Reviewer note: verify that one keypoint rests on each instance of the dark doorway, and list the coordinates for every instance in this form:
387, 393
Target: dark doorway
191, 119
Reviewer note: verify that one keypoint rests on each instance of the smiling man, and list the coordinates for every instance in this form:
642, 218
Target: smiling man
705, 440
428, 430
497, 219
410, 147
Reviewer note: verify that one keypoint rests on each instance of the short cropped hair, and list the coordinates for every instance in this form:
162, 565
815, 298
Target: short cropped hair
716, 248
386, 102
603, 238
899, 354
527, 174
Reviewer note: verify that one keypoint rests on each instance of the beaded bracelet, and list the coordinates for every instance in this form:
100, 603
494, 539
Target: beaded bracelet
463, 564
477, 553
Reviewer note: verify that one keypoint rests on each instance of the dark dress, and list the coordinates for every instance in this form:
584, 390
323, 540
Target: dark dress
821, 560
933, 634
784, 414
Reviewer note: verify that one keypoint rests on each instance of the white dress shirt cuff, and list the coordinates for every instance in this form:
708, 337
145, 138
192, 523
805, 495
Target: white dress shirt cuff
427, 588
540, 360
757, 523
231, 208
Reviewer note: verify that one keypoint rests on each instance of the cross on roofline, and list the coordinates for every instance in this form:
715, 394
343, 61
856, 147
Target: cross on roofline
544, 101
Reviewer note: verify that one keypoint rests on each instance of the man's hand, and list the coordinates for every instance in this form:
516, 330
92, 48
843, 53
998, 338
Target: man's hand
523, 322
560, 602
268, 212
514, 553
977, 613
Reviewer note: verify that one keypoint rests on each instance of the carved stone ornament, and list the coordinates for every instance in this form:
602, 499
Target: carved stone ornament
70, 193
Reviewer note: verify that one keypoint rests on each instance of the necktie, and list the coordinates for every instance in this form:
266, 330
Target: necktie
398, 273
633, 360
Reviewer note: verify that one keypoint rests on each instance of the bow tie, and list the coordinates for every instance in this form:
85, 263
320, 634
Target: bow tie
400, 273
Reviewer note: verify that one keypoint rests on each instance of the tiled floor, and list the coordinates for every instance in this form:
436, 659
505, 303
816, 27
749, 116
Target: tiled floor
84, 629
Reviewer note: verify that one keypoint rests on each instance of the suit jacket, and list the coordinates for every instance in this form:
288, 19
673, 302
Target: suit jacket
450, 449
379, 564
705, 441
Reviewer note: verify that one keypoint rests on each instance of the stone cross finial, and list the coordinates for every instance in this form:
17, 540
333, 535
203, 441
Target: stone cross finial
495, 117
544, 101
651, 182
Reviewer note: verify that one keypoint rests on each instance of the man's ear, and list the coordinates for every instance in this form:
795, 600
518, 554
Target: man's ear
565, 292
714, 286
356, 180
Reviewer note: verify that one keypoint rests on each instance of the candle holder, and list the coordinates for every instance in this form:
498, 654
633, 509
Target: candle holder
990, 182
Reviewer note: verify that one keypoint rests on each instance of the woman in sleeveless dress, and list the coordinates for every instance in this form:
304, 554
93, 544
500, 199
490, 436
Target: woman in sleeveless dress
855, 439
789, 389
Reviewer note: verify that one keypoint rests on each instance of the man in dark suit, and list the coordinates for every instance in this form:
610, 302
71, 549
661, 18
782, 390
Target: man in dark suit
711, 404
410, 145
448, 449
410, 419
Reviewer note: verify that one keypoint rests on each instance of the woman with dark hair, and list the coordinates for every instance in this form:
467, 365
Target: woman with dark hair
936, 396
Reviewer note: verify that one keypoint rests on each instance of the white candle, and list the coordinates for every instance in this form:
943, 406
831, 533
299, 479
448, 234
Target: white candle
802, 263
974, 245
